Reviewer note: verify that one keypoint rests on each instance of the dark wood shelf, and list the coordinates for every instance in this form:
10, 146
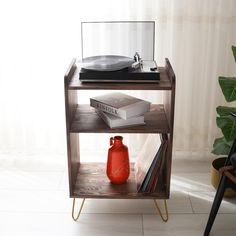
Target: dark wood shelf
163, 84
92, 182
86, 120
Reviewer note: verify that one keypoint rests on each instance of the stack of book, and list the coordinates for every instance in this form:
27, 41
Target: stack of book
150, 163
120, 110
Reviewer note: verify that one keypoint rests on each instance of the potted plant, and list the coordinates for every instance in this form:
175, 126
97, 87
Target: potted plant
227, 123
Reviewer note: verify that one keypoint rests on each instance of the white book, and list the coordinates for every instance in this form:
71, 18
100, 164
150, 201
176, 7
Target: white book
120, 105
115, 122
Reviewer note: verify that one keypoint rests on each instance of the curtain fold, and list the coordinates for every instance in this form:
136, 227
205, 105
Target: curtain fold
38, 40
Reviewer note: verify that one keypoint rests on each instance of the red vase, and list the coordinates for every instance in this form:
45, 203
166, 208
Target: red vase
118, 161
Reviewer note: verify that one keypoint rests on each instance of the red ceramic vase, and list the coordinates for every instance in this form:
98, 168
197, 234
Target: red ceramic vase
118, 161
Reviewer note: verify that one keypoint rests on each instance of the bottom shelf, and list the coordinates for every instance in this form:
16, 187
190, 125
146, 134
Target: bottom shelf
92, 182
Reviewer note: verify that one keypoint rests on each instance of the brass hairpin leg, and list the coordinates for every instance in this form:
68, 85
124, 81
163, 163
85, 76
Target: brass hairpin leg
73, 209
159, 211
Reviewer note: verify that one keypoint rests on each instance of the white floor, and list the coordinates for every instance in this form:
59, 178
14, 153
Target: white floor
34, 201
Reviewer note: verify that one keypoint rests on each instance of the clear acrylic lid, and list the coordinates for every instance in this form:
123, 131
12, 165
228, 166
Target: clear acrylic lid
122, 38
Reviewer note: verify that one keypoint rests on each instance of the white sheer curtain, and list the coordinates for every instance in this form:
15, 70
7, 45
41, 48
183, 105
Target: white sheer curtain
39, 38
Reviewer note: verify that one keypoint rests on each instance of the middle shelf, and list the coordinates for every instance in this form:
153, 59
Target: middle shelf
86, 120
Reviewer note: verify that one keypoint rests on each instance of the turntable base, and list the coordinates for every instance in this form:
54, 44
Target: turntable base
115, 68
147, 73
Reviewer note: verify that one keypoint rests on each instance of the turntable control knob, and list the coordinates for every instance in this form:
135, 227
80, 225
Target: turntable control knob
153, 68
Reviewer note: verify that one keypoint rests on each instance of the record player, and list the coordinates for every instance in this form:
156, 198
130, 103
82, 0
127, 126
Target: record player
115, 68
108, 52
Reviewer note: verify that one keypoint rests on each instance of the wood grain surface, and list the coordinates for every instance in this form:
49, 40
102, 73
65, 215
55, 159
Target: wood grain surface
89, 180
86, 120
163, 84
92, 182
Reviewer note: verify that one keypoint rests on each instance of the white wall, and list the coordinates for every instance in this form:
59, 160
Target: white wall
39, 38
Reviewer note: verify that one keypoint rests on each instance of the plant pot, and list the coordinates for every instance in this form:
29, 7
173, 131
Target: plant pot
215, 176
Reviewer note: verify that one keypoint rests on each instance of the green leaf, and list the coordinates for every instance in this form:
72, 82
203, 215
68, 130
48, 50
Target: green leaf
228, 87
234, 52
221, 146
227, 124
225, 111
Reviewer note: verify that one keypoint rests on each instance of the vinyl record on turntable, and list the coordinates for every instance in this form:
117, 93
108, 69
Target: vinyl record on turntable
106, 63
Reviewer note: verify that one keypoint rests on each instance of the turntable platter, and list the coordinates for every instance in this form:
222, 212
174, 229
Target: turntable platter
106, 63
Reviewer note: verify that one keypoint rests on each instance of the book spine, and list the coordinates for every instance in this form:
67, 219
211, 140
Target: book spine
104, 118
109, 109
